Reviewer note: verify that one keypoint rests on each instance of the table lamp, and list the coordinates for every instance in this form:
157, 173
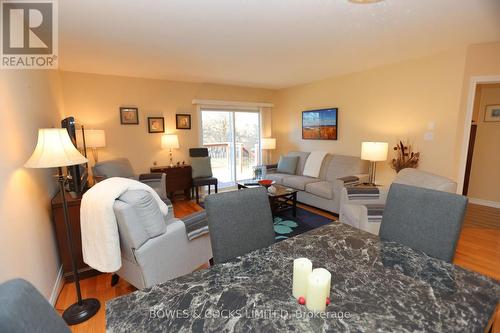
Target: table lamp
374, 152
268, 144
54, 149
170, 141
92, 139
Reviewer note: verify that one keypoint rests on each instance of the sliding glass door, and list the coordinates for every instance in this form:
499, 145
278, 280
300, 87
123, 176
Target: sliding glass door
233, 141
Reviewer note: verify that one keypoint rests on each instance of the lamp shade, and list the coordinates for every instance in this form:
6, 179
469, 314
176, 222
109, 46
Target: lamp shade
54, 149
268, 143
170, 141
374, 151
93, 138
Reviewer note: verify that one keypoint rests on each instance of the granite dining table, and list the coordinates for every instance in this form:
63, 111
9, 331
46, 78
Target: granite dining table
376, 286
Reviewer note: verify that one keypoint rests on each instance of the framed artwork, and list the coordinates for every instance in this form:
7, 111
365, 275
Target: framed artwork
183, 121
156, 124
320, 124
129, 116
492, 113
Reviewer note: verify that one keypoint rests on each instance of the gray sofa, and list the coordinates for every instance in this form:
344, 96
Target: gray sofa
323, 192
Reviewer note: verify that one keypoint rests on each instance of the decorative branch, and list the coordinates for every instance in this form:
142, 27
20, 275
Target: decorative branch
405, 157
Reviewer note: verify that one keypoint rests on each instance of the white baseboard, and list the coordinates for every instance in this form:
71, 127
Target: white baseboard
58, 285
482, 202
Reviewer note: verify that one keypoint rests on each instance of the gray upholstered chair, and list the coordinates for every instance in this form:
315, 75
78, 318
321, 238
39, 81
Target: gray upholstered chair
201, 171
423, 219
24, 309
239, 222
155, 249
121, 167
355, 213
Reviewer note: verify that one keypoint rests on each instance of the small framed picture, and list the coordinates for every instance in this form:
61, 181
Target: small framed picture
492, 113
129, 116
156, 124
183, 121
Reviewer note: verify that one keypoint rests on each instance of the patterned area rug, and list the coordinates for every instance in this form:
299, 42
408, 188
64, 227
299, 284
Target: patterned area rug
286, 225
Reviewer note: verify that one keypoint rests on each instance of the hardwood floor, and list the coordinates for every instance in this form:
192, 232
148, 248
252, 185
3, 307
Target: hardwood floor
478, 250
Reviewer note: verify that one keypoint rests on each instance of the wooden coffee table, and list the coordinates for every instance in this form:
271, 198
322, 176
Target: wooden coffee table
281, 199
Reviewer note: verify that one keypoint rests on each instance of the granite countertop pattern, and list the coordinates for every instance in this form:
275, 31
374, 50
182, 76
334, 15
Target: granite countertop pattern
376, 286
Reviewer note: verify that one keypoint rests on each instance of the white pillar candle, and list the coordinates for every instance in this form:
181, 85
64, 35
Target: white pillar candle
316, 291
302, 268
328, 276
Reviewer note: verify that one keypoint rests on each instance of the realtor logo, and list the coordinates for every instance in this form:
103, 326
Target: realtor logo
29, 34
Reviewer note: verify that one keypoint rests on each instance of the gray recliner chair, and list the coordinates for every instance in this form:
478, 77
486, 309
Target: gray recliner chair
121, 167
155, 248
24, 309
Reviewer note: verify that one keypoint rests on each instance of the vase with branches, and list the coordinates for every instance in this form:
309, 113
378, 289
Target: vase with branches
405, 157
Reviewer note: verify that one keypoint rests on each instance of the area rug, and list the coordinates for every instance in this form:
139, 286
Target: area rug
286, 225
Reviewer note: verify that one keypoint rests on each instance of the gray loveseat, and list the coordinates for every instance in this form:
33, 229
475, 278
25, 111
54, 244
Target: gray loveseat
325, 191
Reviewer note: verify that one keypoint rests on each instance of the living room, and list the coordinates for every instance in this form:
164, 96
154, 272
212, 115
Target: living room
382, 71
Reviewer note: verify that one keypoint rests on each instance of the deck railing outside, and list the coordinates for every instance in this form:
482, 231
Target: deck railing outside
247, 157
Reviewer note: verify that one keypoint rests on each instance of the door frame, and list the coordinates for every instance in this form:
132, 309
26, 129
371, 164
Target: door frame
474, 81
233, 109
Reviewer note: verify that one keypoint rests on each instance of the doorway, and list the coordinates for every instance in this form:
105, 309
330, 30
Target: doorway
481, 181
233, 141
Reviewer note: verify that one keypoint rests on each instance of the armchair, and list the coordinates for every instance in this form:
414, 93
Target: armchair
355, 211
121, 167
155, 248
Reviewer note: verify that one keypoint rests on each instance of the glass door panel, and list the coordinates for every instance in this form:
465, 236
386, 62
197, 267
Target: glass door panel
247, 134
233, 142
217, 127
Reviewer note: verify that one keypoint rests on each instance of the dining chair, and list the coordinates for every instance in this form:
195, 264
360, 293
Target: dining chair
201, 171
239, 222
423, 219
24, 309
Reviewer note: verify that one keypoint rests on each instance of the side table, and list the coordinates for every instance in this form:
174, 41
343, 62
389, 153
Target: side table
178, 179
74, 216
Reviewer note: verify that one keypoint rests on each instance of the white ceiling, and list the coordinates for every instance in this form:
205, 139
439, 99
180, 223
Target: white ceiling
262, 43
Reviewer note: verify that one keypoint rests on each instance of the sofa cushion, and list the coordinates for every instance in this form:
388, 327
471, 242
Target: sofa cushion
302, 161
299, 182
287, 164
343, 165
277, 177
201, 167
119, 167
321, 189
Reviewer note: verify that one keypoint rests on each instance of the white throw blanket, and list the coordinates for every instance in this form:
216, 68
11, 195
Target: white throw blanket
100, 239
313, 163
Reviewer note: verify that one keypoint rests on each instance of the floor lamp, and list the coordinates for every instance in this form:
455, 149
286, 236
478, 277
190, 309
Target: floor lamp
54, 149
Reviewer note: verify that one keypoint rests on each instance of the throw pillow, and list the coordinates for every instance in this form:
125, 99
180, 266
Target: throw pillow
201, 167
287, 164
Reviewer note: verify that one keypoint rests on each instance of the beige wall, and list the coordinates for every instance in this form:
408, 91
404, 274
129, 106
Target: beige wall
382, 104
94, 100
484, 181
29, 100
